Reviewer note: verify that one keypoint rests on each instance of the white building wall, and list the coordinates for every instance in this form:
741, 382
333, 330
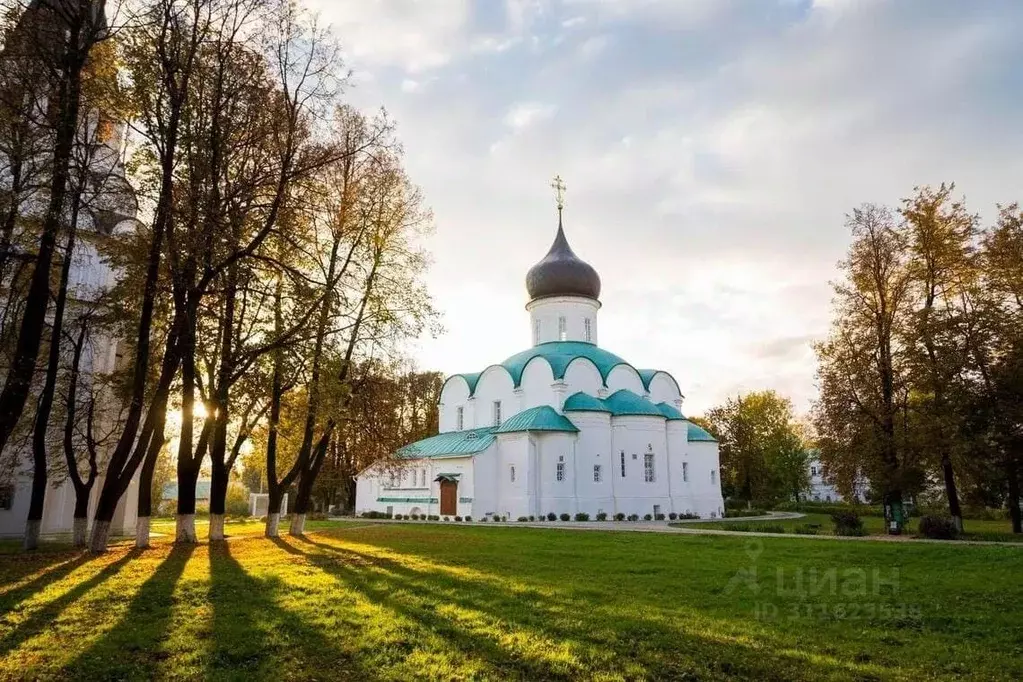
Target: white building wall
634, 437
374, 492
705, 489
453, 395
545, 315
663, 390
495, 384
536, 384
593, 448
624, 376
582, 375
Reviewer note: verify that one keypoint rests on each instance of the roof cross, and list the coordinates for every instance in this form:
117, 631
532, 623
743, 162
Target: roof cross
559, 191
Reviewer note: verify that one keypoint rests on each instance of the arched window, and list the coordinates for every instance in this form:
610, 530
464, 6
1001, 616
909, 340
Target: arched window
460, 418
588, 330
562, 329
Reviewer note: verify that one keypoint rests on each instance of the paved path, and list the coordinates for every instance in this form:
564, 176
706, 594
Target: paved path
691, 529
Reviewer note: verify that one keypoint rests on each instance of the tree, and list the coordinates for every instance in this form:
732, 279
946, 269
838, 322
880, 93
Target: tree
861, 415
763, 459
941, 235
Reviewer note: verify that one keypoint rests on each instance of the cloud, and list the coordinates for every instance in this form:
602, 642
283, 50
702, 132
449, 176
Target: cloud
711, 152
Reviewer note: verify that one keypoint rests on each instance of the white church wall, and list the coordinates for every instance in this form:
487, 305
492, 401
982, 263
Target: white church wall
680, 468
663, 389
374, 492
546, 315
453, 395
515, 493
495, 384
583, 375
705, 490
593, 448
624, 376
558, 496
634, 437
536, 384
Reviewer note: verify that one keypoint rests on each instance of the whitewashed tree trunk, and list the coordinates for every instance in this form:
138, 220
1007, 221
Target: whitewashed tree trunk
216, 526
142, 532
273, 522
100, 536
297, 524
32, 529
80, 532
185, 531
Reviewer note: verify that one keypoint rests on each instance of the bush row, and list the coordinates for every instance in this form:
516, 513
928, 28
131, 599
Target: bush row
581, 516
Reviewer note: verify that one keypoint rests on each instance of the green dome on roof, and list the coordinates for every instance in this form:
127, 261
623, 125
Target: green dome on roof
625, 402
581, 402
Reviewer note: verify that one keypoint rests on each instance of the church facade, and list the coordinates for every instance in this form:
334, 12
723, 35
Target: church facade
561, 427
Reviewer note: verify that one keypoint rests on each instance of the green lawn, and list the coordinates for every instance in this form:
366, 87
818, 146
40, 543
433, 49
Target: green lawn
385, 601
1000, 531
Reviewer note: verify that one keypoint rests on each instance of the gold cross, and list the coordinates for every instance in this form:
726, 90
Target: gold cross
559, 191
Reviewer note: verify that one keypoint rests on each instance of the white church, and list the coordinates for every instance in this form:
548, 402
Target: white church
561, 427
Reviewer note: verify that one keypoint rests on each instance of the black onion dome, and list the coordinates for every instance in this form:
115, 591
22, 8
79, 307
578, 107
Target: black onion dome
562, 273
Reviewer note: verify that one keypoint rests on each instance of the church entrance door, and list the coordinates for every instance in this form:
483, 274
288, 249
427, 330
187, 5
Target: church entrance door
448, 498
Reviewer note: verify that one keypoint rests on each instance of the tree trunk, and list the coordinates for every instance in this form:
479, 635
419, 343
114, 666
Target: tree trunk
951, 492
188, 475
100, 534
1012, 473
145, 506
80, 530
273, 522
26, 353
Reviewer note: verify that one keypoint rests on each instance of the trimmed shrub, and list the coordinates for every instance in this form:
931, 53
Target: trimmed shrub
483, 519
532, 518
523, 519
807, 529
633, 517
688, 515
848, 523
672, 516
552, 517
619, 516
565, 517
434, 517
647, 517
582, 516
458, 519
658, 517
468, 518
602, 516
397, 517
937, 528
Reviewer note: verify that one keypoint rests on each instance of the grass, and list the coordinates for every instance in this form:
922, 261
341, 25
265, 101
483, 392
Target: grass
998, 531
379, 601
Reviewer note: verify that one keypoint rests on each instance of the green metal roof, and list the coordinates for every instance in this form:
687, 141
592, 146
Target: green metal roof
670, 412
450, 443
625, 402
541, 418
698, 435
582, 402
559, 355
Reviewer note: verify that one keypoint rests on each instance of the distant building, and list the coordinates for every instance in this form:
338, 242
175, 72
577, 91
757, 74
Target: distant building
822, 489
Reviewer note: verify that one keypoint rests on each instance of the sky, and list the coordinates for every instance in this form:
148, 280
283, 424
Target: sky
711, 150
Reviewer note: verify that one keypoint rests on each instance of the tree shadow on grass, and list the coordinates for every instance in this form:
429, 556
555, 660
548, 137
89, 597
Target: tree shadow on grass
254, 637
628, 645
44, 616
132, 648
52, 572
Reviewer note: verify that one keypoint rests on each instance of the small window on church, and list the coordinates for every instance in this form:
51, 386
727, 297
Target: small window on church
597, 475
561, 471
648, 467
813, 471
623, 463
713, 476
588, 330
685, 472
6, 497
460, 419
511, 473
562, 328
497, 413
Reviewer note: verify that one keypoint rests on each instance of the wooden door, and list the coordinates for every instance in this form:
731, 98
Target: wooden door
448, 498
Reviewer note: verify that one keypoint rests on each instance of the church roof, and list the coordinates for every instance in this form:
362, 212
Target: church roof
582, 402
670, 412
559, 355
562, 273
698, 435
625, 402
450, 444
541, 418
